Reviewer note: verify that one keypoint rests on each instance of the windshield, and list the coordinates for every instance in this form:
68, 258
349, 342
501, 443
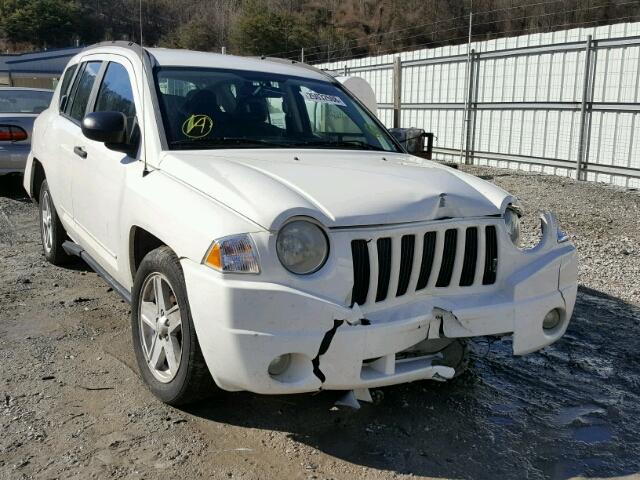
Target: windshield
24, 101
212, 108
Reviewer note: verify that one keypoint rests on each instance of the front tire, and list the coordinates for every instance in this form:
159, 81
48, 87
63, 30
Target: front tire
52, 232
164, 338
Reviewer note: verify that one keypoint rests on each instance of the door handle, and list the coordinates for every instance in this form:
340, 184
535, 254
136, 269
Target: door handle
81, 152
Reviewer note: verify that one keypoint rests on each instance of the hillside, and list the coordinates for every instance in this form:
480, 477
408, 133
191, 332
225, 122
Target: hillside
327, 29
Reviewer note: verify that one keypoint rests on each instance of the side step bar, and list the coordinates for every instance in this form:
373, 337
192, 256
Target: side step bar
74, 249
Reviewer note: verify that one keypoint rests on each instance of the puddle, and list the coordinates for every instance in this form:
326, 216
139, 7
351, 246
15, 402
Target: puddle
568, 415
592, 434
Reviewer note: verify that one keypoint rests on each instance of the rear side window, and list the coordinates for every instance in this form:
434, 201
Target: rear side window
66, 86
66, 80
15, 100
78, 104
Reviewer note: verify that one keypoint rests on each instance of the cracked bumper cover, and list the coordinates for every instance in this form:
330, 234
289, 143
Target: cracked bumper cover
243, 325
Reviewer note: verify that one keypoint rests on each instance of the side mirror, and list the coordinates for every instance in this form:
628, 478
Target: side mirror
105, 127
412, 139
109, 128
63, 102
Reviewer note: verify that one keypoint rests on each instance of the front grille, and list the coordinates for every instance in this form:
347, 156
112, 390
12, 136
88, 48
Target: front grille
397, 265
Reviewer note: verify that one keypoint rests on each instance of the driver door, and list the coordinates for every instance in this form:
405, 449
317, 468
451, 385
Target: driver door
99, 178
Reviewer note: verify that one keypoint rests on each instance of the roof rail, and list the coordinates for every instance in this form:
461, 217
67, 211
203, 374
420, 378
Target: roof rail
116, 43
296, 63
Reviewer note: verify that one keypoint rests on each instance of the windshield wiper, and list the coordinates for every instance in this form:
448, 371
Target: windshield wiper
214, 142
342, 143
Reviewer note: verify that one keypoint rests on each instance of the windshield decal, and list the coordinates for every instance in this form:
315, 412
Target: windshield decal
323, 98
197, 126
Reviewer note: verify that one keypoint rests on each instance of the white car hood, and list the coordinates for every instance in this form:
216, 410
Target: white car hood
339, 188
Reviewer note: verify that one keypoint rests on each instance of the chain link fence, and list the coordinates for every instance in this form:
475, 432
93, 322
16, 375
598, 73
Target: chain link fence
564, 103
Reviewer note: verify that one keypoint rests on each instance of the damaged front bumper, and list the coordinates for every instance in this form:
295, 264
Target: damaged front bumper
243, 325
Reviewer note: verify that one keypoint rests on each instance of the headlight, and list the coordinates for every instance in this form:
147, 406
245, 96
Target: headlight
236, 254
512, 222
302, 247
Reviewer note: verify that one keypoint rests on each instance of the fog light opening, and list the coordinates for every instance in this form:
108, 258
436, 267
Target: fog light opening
551, 320
279, 365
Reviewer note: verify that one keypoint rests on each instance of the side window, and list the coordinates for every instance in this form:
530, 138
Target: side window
78, 104
277, 116
66, 84
176, 87
115, 93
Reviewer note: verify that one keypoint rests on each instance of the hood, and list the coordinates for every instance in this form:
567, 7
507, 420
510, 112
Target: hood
339, 188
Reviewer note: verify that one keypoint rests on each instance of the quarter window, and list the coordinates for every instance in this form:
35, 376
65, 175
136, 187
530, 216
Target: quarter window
83, 90
66, 84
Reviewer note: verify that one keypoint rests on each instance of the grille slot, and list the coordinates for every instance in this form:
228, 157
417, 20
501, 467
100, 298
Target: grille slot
448, 258
384, 268
361, 271
428, 254
491, 256
470, 257
406, 263
402, 264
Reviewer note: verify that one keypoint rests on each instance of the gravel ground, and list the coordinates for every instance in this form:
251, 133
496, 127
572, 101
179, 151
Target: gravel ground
73, 407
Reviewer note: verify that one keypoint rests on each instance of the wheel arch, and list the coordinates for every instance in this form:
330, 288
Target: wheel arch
37, 177
141, 242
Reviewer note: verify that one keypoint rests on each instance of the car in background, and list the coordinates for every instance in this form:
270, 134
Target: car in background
19, 107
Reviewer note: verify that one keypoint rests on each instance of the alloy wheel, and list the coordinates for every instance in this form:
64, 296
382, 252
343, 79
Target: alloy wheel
160, 327
47, 222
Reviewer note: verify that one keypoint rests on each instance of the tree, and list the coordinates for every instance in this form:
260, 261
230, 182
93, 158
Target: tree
42, 23
262, 29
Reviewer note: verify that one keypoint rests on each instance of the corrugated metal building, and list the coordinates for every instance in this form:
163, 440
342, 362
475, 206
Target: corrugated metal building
35, 69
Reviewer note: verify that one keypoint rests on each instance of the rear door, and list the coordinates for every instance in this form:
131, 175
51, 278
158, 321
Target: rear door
99, 173
59, 139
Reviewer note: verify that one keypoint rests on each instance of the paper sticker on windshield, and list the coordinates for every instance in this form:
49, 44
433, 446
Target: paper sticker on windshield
323, 98
197, 126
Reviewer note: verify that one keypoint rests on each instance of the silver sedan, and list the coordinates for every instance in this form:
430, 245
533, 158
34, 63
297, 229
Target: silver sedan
19, 107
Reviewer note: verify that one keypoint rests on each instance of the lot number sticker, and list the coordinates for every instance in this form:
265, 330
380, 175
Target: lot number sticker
323, 98
197, 126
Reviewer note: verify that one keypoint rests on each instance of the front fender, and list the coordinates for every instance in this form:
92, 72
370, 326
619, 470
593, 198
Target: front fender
184, 219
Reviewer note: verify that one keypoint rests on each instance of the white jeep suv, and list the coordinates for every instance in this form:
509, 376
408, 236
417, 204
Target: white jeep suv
272, 236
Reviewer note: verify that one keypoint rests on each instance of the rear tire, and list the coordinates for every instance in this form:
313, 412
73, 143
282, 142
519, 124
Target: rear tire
164, 338
52, 232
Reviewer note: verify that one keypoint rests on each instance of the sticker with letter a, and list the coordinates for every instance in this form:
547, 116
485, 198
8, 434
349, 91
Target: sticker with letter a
197, 126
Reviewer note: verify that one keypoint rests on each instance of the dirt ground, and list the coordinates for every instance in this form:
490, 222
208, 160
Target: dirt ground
72, 405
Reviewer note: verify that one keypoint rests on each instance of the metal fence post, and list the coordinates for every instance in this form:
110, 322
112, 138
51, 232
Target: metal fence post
397, 92
470, 133
585, 114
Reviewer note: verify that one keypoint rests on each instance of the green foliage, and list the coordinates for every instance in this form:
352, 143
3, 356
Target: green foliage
327, 29
260, 29
39, 22
196, 35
